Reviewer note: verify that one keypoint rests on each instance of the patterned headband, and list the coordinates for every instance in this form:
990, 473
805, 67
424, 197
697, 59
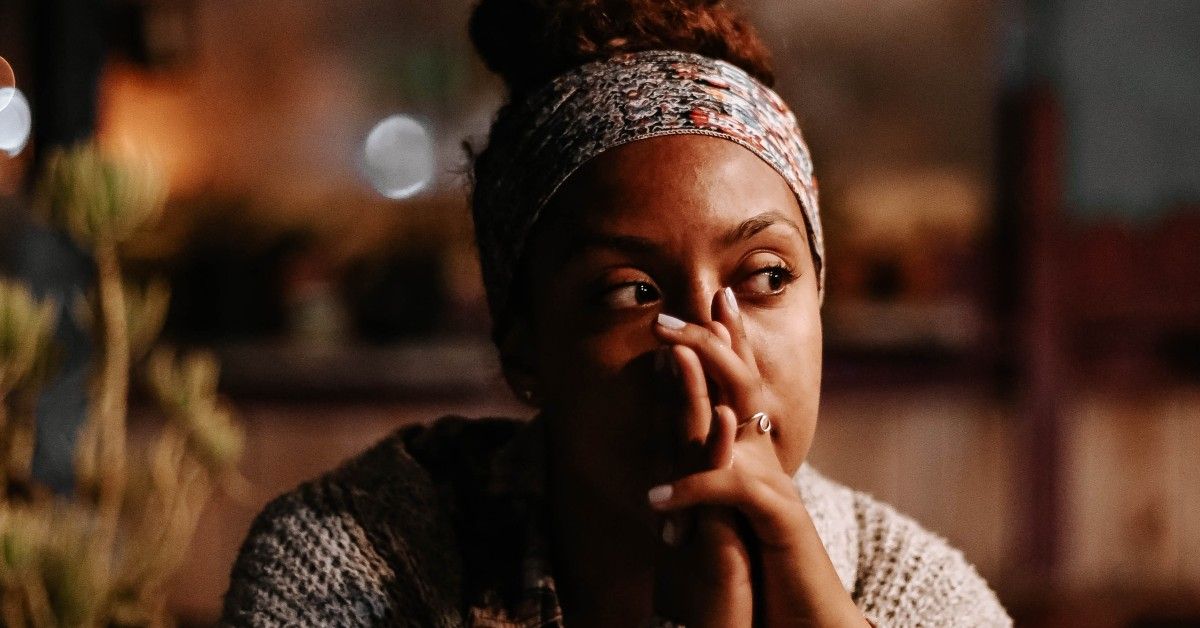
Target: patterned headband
538, 143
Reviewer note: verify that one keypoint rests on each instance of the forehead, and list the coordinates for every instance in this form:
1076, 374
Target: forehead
673, 186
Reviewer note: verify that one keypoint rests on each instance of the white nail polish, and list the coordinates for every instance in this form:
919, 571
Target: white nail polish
670, 322
731, 300
660, 493
670, 535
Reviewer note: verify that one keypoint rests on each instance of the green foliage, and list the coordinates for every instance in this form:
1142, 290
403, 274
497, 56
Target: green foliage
104, 557
96, 200
26, 337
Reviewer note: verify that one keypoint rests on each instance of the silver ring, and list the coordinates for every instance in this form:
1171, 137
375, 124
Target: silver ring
764, 422
761, 418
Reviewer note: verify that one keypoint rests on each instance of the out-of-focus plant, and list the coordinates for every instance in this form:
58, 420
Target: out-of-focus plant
27, 356
105, 557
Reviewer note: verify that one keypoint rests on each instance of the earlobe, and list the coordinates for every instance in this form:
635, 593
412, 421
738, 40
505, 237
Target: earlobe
516, 360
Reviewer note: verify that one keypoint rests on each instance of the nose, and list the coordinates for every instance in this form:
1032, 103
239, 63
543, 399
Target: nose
693, 302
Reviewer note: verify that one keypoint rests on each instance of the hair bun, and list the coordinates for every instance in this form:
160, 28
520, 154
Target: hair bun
528, 42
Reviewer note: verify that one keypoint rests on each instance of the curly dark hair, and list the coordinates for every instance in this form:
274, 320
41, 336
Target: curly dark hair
528, 42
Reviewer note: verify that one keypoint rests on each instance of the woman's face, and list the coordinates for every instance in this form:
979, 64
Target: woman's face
660, 225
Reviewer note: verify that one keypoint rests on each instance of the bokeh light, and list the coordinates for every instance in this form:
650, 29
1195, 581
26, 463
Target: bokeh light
15, 121
7, 80
398, 157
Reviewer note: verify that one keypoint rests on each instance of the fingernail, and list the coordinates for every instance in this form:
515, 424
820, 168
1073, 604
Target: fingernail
731, 300
670, 322
660, 493
670, 534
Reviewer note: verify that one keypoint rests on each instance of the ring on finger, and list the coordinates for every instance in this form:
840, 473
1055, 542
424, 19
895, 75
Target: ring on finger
761, 419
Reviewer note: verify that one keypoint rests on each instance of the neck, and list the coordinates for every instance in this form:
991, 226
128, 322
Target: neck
602, 560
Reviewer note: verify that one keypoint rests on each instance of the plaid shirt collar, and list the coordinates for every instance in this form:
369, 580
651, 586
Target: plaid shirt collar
516, 483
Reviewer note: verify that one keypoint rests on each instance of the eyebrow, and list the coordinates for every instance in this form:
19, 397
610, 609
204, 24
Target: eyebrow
752, 226
636, 245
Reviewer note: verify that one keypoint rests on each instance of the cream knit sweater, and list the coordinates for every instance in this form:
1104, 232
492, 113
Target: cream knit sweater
419, 531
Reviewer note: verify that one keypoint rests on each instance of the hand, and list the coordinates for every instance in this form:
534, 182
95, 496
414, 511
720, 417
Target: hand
705, 581
739, 472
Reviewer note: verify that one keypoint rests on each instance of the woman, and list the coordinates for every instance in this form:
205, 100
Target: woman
650, 241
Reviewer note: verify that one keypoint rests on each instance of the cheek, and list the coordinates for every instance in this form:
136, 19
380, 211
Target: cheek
577, 361
602, 381
609, 432
789, 357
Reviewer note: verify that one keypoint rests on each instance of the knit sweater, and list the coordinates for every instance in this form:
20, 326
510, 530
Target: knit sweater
440, 525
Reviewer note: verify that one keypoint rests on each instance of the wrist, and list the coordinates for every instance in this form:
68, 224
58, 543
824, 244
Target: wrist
799, 578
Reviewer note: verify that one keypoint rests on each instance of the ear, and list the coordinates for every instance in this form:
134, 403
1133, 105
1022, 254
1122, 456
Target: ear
519, 364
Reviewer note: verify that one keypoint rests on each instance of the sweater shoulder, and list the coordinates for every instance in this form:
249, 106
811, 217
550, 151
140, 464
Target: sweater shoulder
306, 560
368, 543
908, 575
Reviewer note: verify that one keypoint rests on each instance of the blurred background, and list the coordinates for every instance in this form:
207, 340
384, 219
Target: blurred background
1011, 193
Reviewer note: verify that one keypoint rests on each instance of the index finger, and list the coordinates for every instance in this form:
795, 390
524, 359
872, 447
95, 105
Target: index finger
697, 415
727, 312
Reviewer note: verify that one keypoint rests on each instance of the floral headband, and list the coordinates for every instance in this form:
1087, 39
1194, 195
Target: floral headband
536, 144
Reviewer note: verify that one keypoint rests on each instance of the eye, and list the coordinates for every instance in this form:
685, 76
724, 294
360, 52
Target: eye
768, 280
629, 295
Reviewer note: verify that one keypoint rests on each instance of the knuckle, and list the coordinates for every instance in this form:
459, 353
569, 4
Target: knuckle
757, 492
745, 379
741, 482
724, 332
710, 336
702, 483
